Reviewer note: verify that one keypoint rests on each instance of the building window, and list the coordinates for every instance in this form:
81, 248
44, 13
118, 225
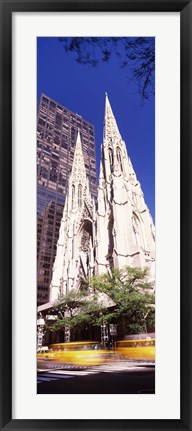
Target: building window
79, 195
58, 119
45, 100
41, 122
111, 157
137, 229
119, 159
52, 106
73, 195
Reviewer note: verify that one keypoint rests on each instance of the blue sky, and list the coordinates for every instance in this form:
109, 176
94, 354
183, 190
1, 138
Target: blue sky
81, 88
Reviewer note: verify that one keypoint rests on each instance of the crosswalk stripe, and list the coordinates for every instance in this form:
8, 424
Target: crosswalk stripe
47, 379
52, 375
50, 378
75, 373
65, 366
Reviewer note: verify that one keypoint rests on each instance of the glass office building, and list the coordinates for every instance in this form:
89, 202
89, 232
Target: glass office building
57, 129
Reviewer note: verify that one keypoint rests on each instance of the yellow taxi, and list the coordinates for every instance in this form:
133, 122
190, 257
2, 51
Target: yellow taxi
42, 352
82, 353
138, 349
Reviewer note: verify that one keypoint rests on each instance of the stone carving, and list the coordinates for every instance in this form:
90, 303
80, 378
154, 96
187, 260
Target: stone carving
85, 241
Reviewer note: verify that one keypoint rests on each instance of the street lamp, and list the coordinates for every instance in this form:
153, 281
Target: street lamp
113, 333
104, 334
40, 331
63, 311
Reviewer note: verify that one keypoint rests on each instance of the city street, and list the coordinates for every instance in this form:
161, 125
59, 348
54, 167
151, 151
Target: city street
116, 378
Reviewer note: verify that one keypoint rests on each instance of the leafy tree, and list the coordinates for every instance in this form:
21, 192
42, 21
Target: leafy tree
78, 308
132, 294
150, 319
132, 302
135, 54
66, 308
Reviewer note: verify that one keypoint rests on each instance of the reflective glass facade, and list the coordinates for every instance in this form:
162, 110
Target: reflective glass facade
57, 129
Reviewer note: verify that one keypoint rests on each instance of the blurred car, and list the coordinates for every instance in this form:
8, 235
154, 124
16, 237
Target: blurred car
42, 352
82, 353
137, 349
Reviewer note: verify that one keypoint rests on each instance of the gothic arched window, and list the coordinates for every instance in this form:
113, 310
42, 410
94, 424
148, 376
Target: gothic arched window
73, 195
111, 157
79, 195
119, 158
137, 229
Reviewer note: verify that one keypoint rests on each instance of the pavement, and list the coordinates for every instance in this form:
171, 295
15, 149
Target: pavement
123, 377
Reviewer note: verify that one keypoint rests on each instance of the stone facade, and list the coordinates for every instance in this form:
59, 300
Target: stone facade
117, 231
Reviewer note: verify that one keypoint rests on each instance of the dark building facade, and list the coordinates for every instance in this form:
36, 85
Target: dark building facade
57, 129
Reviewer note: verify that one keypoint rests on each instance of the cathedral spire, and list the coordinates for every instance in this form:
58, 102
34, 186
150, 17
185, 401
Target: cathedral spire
110, 126
78, 181
114, 152
78, 168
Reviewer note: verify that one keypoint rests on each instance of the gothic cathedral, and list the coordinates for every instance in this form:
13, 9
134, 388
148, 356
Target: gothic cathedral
116, 231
